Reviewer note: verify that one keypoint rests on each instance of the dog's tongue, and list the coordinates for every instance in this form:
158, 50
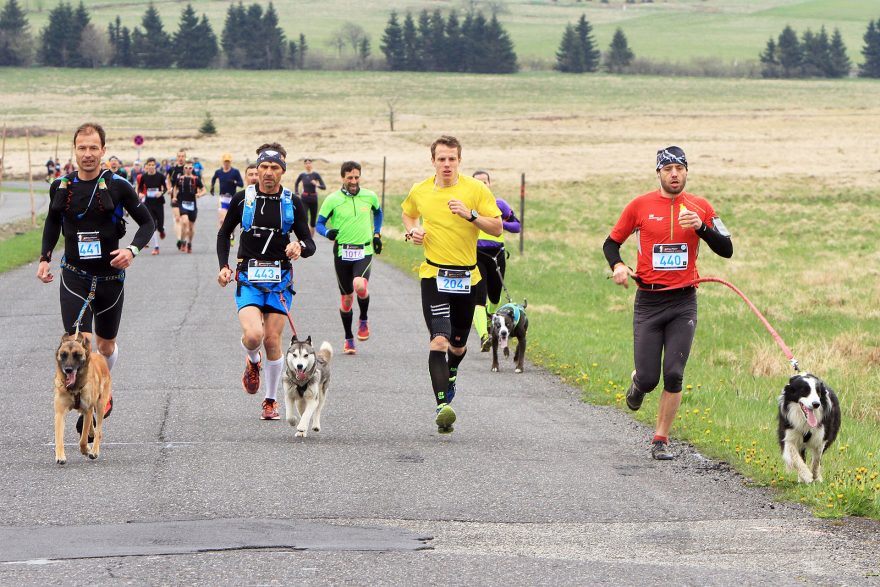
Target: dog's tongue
300, 374
502, 343
811, 417
71, 379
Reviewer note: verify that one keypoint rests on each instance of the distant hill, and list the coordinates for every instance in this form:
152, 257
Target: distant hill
665, 30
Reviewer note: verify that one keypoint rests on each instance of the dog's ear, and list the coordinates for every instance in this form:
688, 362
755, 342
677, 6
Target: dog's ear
80, 338
293, 339
525, 303
309, 340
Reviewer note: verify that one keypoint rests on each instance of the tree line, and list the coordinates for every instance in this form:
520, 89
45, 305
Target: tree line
473, 44
70, 39
430, 41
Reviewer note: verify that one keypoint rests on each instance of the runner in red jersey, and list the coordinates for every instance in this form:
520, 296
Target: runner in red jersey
669, 224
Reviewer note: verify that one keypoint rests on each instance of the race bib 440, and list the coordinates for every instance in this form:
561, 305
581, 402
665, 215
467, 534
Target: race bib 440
670, 257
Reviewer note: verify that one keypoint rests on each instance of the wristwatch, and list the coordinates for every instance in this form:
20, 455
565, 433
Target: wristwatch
134, 250
474, 216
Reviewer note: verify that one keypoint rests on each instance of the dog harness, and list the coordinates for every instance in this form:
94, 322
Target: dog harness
515, 311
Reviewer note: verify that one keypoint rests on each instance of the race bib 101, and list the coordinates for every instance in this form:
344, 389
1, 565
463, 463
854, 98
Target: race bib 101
352, 252
670, 257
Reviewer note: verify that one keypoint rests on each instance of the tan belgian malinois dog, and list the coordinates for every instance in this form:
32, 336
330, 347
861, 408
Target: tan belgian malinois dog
82, 383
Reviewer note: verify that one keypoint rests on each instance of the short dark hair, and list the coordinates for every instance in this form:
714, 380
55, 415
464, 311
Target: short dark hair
90, 127
250, 166
447, 141
274, 147
348, 166
481, 172
150, 160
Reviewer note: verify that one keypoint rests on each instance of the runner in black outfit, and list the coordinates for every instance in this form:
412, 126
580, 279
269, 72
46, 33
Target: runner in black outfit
89, 203
187, 190
264, 268
311, 182
151, 188
176, 171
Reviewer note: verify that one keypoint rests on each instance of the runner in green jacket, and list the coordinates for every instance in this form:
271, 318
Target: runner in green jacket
355, 218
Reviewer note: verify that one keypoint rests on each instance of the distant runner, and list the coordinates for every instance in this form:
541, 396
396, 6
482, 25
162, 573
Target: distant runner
187, 190
151, 188
311, 182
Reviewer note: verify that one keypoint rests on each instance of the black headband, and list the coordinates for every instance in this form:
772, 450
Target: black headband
669, 156
271, 156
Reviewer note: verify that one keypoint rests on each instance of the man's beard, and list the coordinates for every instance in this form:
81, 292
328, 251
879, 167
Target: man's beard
674, 191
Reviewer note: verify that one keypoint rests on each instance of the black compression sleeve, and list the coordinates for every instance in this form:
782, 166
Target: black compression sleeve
139, 213
51, 232
301, 228
611, 248
721, 245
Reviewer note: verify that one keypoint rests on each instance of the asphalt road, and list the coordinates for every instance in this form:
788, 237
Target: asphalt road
15, 205
533, 487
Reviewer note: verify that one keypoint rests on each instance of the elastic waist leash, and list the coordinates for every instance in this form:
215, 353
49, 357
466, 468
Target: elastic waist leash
95, 279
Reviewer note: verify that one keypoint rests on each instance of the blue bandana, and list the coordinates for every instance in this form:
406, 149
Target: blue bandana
671, 156
272, 156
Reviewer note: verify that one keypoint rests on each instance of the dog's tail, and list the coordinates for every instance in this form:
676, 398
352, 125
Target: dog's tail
525, 303
326, 351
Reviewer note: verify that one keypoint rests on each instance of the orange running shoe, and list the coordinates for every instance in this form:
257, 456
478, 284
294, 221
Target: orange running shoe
250, 381
363, 330
348, 347
270, 410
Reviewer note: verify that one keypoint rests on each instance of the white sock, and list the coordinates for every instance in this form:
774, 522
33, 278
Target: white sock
273, 376
154, 240
111, 360
253, 355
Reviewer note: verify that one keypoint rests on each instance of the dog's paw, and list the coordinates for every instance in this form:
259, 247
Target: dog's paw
60, 461
93, 455
805, 478
506, 352
292, 422
494, 369
316, 428
300, 434
517, 370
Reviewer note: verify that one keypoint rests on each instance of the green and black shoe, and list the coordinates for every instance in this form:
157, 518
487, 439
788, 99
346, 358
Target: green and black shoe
445, 419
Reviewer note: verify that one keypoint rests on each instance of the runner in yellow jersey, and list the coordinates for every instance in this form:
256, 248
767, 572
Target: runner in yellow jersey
453, 209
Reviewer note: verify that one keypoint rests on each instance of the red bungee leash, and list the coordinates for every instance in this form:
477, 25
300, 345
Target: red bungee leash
788, 354
287, 312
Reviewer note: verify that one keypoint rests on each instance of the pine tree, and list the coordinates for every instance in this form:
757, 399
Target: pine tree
871, 51
208, 127
392, 43
254, 49
232, 39
454, 44
152, 48
816, 54
185, 40
770, 60
426, 50
620, 56
59, 40
790, 53
500, 56
81, 22
16, 43
589, 53
301, 52
568, 58
273, 39
476, 44
411, 54
364, 50
839, 62
292, 59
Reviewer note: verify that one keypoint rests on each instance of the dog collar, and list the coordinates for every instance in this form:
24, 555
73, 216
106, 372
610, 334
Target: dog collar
514, 310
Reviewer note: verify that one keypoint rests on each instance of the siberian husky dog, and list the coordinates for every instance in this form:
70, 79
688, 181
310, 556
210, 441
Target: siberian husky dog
306, 379
809, 418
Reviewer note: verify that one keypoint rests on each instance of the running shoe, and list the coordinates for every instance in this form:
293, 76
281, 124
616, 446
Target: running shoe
445, 418
162, 234
179, 245
634, 396
450, 391
363, 330
189, 247
348, 347
485, 343
660, 451
270, 410
250, 381
79, 423
155, 251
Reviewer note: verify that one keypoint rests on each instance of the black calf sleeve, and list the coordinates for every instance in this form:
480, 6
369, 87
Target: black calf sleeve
439, 370
346, 322
363, 304
453, 361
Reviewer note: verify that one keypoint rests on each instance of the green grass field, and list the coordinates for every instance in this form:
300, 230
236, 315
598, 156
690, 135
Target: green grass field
674, 30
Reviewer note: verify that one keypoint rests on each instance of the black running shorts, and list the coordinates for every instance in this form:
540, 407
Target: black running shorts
107, 305
447, 314
346, 271
311, 203
664, 324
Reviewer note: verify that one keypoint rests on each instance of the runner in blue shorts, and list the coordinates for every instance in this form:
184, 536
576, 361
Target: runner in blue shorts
264, 269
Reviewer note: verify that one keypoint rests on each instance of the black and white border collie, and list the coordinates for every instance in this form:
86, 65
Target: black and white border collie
809, 418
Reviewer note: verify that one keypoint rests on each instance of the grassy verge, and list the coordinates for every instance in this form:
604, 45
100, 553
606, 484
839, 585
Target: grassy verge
19, 242
791, 248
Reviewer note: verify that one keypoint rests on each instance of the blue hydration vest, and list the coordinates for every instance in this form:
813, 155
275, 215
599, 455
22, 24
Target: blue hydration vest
250, 207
